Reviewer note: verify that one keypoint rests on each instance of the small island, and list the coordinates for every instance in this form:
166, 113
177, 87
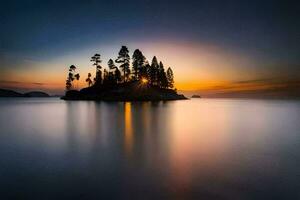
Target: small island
36, 94
139, 81
196, 96
11, 93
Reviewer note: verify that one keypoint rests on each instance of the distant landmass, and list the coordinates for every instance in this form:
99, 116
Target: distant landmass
11, 93
196, 96
36, 94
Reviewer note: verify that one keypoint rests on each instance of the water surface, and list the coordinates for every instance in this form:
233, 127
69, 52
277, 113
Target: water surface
193, 149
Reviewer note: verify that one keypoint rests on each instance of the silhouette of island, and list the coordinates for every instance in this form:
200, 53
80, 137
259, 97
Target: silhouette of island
11, 93
36, 94
196, 96
139, 82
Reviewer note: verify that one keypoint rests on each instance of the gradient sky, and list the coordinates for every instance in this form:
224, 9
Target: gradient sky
214, 47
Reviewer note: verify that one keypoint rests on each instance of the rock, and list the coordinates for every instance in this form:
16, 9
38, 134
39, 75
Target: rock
196, 96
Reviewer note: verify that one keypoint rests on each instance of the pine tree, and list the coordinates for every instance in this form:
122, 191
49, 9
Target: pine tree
89, 80
170, 78
138, 62
162, 77
118, 76
112, 75
96, 62
153, 72
71, 77
77, 77
111, 64
111, 78
124, 60
105, 76
145, 71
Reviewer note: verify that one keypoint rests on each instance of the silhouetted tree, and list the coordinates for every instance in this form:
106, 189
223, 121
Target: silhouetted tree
71, 77
72, 68
105, 77
162, 77
112, 75
111, 64
77, 77
138, 62
96, 62
154, 74
111, 78
153, 71
118, 76
68, 84
124, 60
145, 71
170, 78
89, 80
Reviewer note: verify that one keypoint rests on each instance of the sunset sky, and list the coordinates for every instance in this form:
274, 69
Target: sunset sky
213, 47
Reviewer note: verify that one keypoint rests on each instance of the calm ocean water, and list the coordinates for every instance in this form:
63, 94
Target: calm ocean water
193, 149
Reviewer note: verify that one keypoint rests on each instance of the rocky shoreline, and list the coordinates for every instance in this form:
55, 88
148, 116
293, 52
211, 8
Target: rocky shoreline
124, 92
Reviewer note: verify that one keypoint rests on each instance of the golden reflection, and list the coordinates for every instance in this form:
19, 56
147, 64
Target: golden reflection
128, 128
203, 147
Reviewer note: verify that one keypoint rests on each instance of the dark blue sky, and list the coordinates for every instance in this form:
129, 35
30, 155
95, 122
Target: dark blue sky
253, 26
267, 31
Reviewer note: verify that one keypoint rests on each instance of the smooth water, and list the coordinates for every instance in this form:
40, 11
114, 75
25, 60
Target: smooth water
193, 149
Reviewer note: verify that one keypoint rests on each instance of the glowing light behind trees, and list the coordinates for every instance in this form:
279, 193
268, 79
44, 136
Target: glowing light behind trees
207, 44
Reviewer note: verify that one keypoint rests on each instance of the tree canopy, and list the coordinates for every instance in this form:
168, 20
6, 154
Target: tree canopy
153, 74
138, 62
124, 60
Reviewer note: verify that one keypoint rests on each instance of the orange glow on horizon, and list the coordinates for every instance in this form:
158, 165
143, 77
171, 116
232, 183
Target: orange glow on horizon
196, 67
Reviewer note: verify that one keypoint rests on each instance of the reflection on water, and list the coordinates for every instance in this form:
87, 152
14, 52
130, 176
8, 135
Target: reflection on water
211, 149
128, 128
